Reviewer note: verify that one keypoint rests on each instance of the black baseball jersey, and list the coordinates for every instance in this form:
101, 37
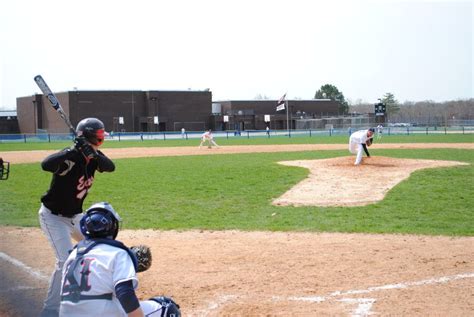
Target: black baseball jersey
73, 175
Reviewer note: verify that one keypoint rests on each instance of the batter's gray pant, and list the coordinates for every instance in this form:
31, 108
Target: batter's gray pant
58, 230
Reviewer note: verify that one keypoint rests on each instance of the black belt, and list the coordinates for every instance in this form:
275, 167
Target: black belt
72, 298
61, 215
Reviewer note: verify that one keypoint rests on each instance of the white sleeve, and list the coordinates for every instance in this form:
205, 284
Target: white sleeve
123, 269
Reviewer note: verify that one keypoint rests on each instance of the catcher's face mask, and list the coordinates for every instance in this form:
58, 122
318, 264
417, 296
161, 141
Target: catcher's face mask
4, 169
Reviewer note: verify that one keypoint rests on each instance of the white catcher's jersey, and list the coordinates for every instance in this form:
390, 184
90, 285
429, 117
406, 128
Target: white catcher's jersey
103, 267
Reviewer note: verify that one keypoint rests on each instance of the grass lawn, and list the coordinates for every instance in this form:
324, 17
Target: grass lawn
220, 192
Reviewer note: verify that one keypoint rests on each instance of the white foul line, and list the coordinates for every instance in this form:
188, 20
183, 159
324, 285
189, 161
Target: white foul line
26, 268
431, 281
365, 304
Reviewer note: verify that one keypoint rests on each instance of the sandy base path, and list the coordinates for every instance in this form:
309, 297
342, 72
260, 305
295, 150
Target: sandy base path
15, 157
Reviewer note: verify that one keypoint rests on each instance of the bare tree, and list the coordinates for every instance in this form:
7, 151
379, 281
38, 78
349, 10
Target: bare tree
426, 113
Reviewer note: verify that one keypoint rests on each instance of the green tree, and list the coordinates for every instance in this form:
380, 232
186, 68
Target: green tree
392, 105
331, 92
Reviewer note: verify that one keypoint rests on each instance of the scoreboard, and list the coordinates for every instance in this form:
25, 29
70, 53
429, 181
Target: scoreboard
380, 109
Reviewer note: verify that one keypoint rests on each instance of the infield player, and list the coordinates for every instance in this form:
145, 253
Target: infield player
61, 209
99, 276
208, 137
359, 141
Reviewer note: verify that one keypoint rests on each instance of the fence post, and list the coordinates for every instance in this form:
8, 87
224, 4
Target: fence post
24, 137
388, 131
462, 129
330, 134
426, 130
408, 131
445, 132
49, 137
248, 135
309, 132
227, 134
119, 136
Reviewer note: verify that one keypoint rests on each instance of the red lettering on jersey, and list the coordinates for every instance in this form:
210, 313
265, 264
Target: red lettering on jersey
83, 186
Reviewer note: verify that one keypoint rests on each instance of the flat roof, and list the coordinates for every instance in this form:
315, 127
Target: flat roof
7, 113
273, 100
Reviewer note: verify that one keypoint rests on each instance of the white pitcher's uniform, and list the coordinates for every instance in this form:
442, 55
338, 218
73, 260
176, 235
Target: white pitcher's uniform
103, 267
355, 144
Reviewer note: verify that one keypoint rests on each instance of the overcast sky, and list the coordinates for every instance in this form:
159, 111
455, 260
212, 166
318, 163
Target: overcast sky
417, 50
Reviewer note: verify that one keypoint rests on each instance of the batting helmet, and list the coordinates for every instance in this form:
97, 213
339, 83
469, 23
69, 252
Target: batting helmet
92, 129
100, 221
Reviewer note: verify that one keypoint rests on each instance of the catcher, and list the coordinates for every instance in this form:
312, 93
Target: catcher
99, 276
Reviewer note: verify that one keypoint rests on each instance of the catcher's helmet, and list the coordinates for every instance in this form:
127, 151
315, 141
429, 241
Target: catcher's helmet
169, 307
92, 129
100, 221
4, 169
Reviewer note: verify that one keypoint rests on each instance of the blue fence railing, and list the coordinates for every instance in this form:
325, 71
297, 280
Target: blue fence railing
122, 136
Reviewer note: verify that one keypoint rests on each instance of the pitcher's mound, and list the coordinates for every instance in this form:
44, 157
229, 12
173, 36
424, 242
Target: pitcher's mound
337, 182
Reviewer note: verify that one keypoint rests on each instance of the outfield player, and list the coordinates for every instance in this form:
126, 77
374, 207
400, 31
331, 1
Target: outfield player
379, 131
359, 141
61, 209
99, 276
208, 137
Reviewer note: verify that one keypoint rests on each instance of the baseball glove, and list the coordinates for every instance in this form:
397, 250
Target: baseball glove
369, 142
143, 255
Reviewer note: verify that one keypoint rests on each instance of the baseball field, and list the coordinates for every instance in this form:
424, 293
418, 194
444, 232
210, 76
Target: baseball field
269, 227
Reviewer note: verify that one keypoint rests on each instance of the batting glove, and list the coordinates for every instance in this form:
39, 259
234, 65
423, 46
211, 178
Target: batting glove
85, 148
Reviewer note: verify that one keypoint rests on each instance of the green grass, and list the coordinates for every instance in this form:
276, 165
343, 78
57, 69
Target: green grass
340, 139
221, 192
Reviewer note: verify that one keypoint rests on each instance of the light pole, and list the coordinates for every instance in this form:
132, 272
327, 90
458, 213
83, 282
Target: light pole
133, 113
155, 114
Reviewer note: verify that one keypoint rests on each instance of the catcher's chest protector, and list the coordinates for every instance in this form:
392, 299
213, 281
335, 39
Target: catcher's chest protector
86, 245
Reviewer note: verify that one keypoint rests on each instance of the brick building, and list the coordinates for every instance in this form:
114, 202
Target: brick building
126, 111
8, 122
258, 114
153, 111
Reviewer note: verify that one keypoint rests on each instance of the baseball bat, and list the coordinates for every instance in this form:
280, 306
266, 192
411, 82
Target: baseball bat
54, 102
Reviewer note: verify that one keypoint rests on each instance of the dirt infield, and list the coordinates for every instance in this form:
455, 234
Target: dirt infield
15, 157
232, 273
337, 182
